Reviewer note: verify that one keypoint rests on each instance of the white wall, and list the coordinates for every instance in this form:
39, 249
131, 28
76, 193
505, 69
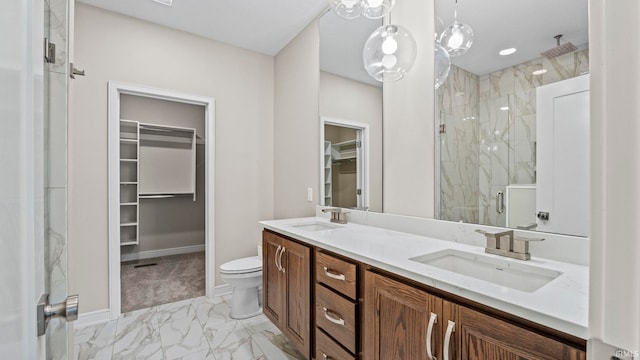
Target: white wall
345, 99
115, 47
614, 315
296, 125
409, 162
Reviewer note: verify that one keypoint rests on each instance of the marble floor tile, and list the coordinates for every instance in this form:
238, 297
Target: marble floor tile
180, 331
192, 329
95, 342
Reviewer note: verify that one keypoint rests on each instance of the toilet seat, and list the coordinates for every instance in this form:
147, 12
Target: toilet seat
242, 266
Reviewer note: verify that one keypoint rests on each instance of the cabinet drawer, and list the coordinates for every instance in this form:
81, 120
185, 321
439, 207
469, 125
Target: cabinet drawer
337, 316
336, 273
326, 348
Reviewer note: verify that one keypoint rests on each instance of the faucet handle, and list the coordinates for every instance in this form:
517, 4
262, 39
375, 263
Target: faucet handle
495, 239
521, 245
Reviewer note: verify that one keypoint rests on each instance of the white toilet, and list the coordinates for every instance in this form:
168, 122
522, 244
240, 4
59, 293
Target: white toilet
245, 277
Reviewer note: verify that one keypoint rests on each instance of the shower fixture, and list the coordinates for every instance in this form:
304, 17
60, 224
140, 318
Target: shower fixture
559, 49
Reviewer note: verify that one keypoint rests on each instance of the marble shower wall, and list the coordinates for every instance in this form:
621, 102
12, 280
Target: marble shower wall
457, 105
490, 139
56, 27
507, 103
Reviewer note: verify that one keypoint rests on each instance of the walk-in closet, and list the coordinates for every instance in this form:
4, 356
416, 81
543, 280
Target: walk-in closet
162, 201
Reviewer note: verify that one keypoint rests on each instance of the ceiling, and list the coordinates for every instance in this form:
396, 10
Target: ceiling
262, 26
527, 25
341, 45
267, 26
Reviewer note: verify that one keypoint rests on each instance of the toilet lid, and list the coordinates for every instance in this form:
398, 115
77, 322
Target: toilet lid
243, 265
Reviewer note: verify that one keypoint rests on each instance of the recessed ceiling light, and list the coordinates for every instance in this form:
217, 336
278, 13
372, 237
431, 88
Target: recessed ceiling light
539, 72
504, 108
164, 2
508, 51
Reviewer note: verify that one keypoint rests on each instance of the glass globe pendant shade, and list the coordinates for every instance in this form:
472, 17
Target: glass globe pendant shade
376, 9
346, 9
389, 53
442, 65
457, 38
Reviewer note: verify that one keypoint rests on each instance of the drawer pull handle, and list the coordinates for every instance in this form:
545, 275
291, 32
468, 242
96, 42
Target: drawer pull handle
276, 258
334, 275
332, 316
432, 320
280, 259
447, 339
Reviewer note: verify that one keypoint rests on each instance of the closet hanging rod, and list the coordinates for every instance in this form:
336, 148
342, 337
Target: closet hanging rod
166, 128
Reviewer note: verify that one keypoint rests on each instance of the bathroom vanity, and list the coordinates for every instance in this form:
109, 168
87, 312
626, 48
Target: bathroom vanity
360, 292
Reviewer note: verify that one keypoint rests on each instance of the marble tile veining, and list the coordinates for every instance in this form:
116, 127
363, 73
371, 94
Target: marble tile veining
198, 329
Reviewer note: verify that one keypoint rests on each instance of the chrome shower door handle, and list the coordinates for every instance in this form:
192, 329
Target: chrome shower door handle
68, 309
500, 202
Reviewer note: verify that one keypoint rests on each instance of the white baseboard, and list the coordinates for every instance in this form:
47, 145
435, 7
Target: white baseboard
163, 252
222, 290
92, 318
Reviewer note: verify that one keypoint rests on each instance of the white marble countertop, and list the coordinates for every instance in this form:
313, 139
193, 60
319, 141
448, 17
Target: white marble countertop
561, 304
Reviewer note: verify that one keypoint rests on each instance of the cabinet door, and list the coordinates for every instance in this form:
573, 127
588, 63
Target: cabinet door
296, 264
272, 279
397, 318
486, 338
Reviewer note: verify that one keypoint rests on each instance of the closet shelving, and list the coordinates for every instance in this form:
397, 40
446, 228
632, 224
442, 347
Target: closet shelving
344, 150
328, 190
156, 162
129, 170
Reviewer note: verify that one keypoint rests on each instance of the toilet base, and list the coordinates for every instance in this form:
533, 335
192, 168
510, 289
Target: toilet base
245, 303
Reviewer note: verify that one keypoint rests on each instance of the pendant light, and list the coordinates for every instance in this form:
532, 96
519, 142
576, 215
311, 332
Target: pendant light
347, 9
457, 37
376, 9
389, 53
351, 9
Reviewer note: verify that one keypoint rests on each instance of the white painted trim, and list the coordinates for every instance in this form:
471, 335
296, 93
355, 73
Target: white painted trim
115, 90
364, 128
92, 318
162, 252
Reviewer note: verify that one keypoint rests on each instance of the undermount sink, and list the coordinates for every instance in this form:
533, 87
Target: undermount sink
511, 274
315, 226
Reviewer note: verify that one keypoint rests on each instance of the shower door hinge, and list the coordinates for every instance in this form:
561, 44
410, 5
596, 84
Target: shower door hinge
49, 52
443, 129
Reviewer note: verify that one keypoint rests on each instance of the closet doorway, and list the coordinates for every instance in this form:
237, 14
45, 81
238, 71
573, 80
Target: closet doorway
344, 176
161, 201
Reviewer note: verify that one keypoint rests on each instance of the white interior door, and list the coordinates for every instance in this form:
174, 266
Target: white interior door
563, 156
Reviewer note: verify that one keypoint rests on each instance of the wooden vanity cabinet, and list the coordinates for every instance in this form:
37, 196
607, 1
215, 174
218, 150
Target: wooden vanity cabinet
397, 320
286, 280
336, 307
484, 337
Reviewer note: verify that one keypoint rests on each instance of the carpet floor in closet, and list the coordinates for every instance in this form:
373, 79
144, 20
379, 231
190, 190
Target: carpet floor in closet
151, 282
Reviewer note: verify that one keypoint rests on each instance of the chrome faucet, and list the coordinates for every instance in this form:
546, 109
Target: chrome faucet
504, 243
337, 215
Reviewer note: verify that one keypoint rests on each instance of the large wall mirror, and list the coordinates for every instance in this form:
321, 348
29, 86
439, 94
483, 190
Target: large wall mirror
503, 155
513, 117
350, 117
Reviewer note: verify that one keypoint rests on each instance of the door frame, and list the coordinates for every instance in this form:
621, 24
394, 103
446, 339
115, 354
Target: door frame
363, 164
115, 90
